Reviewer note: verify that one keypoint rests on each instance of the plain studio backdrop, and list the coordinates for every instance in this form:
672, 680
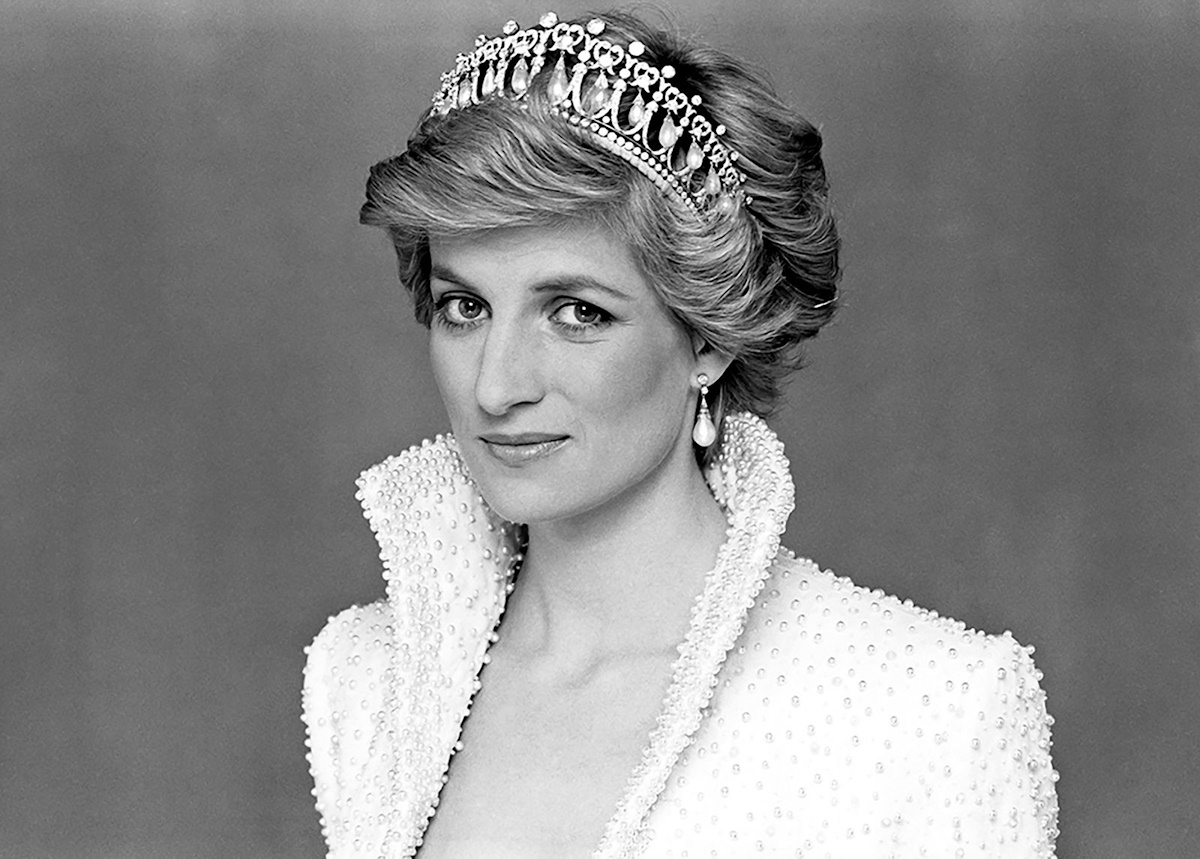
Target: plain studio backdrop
201, 349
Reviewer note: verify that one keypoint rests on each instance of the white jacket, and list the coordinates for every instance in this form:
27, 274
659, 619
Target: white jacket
807, 717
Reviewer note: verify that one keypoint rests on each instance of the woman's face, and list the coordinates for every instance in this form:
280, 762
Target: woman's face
567, 383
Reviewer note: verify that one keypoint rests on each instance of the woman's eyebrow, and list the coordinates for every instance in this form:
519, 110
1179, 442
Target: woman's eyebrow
440, 272
578, 282
554, 283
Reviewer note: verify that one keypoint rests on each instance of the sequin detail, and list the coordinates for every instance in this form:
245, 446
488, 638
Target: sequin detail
806, 716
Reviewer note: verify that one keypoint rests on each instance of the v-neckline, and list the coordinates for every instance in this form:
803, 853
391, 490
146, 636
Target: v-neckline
751, 481
644, 753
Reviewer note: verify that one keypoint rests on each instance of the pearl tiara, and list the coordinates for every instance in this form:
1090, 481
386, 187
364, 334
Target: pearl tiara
630, 106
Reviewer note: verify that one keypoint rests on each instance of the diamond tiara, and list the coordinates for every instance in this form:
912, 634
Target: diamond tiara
630, 106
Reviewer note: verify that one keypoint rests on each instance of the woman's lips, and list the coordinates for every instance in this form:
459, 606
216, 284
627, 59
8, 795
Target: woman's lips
522, 449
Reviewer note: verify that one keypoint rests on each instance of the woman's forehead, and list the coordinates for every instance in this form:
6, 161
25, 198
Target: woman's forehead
532, 256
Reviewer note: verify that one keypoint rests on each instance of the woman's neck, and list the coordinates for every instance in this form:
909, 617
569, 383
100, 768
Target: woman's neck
618, 582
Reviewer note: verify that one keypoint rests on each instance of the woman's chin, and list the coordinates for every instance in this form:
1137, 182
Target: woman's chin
527, 490
531, 500
528, 505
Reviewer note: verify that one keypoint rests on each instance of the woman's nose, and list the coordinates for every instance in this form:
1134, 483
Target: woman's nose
509, 373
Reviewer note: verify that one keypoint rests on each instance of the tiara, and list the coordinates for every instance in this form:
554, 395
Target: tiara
630, 106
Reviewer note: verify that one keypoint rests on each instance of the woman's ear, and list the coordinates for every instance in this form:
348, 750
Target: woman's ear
709, 361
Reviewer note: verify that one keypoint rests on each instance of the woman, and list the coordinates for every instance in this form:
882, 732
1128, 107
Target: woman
619, 242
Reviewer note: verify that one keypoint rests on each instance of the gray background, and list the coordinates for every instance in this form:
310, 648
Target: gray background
200, 349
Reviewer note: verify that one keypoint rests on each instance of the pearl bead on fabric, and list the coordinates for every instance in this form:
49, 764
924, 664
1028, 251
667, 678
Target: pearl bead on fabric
806, 717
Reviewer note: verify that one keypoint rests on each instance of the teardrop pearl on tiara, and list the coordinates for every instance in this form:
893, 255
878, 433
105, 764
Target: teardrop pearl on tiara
704, 433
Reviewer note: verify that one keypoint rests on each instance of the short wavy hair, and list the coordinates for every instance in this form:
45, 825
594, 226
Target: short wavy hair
753, 286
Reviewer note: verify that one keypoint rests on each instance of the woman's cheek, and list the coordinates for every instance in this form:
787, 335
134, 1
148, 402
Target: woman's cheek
451, 372
631, 373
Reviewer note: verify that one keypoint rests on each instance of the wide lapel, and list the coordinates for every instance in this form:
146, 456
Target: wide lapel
752, 482
447, 560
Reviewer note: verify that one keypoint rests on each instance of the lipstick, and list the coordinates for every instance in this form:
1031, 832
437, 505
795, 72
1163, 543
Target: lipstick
522, 448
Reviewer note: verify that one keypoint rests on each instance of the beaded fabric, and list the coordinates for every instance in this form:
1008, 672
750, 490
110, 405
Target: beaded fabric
806, 716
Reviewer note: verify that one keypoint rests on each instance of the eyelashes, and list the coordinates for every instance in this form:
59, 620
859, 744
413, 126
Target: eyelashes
459, 311
456, 312
580, 316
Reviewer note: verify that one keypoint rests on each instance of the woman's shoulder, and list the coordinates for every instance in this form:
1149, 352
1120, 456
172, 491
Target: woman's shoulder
347, 703
891, 655
354, 645
863, 623
344, 687
906, 696
353, 632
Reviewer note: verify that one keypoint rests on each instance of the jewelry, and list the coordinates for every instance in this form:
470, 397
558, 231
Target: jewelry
704, 433
627, 104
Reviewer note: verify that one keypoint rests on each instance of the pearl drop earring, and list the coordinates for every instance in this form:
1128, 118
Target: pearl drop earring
704, 433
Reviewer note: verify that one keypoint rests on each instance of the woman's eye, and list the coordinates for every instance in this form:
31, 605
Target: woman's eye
585, 314
580, 314
460, 309
469, 308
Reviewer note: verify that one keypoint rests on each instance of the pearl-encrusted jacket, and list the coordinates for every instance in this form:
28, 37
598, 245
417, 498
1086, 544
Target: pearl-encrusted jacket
807, 717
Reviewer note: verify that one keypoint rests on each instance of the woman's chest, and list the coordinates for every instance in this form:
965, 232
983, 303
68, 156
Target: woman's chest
541, 771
